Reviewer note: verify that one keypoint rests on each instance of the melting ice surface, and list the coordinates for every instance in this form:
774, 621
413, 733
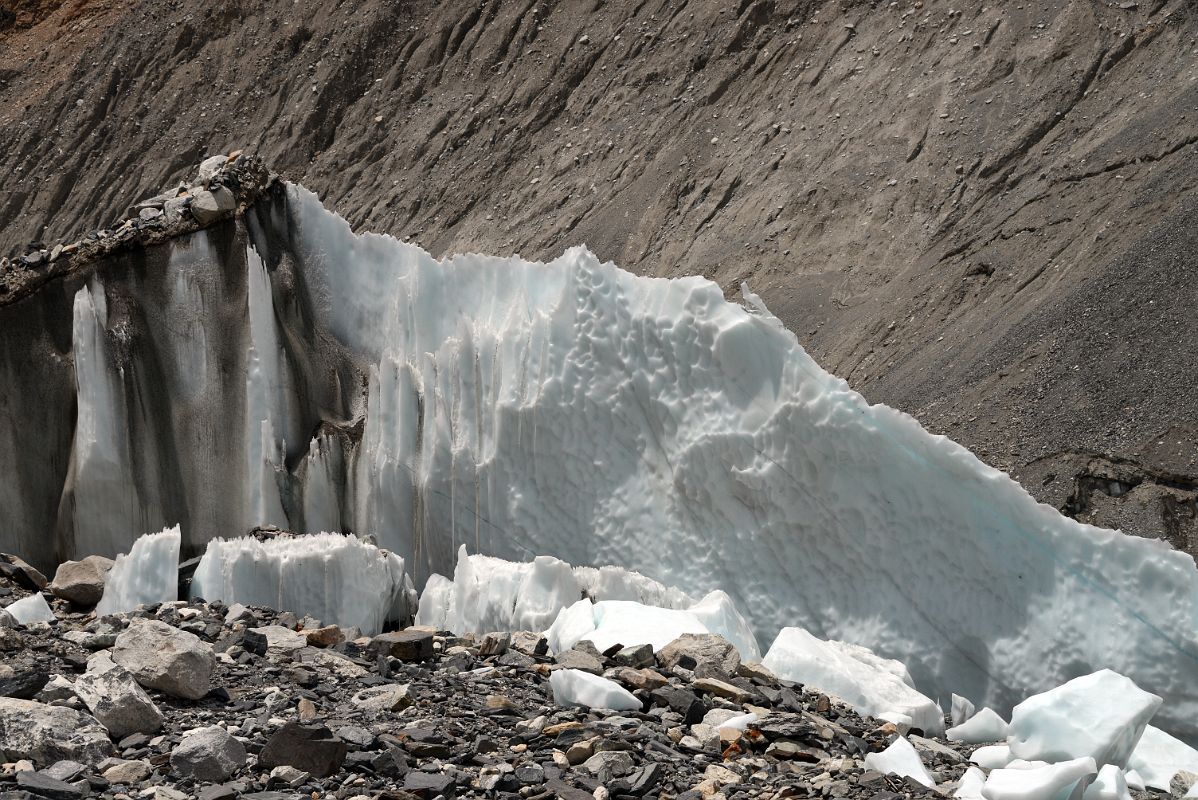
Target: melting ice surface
575, 410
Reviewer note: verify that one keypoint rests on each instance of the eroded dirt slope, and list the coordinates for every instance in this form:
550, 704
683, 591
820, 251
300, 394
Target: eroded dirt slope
981, 214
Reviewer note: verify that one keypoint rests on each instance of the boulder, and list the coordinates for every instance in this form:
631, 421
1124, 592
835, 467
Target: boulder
81, 582
311, 748
208, 754
165, 658
114, 698
390, 697
705, 654
117, 770
45, 734
20, 572
209, 206
273, 641
22, 677
406, 645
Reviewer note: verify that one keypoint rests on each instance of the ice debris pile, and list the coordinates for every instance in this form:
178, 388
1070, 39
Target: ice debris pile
572, 410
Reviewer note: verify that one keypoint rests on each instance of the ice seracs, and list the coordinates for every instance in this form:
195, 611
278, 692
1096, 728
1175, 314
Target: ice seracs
1101, 715
870, 684
334, 578
149, 573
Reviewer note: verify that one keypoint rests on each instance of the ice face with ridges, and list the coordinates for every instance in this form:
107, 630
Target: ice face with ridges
148, 574
337, 579
574, 410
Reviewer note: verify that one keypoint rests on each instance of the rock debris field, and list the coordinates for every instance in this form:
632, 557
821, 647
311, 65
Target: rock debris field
199, 700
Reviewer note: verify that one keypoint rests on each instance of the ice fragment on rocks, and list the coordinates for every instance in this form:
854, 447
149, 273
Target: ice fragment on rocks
983, 727
1066, 780
900, 758
1158, 756
962, 710
993, 756
970, 785
1101, 715
33, 608
335, 578
1109, 785
574, 687
870, 684
147, 574
165, 658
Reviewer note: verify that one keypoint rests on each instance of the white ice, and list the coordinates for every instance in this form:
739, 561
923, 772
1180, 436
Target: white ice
1066, 780
148, 574
575, 410
983, 727
492, 594
1134, 781
870, 684
961, 709
992, 756
900, 758
970, 785
1109, 785
1100, 715
574, 687
33, 608
1158, 756
337, 579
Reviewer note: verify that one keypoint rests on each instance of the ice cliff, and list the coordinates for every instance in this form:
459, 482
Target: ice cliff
282, 370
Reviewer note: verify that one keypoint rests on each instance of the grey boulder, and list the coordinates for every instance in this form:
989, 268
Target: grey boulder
165, 658
208, 206
110, 693
705, 654
81, 582
46, 734
208, 754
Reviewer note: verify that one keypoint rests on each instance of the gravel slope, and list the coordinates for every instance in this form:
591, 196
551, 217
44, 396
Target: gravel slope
981, 215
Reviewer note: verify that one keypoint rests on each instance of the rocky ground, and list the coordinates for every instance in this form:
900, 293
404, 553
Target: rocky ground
979, 213
196, 700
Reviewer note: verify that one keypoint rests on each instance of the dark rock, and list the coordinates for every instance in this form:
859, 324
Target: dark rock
407, 645
311, 748
682, 701
43, 785
22, 678
635, 657
20, 572
427, 784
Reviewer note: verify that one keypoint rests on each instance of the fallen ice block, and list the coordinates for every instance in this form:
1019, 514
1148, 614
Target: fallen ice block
1158, 756
983, 727
1134, 781
627, 623
900, 758
870, 684
970, 785
1101, 715
436, 604
1109, 785
31, 609
491, 594
962, 710
1064, 781
993, 756
148, 574
719, 614
337, 579
573, 687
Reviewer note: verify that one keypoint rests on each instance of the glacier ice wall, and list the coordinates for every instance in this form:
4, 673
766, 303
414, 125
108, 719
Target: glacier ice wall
283, 370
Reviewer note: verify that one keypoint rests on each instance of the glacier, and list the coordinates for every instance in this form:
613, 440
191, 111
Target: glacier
283, 370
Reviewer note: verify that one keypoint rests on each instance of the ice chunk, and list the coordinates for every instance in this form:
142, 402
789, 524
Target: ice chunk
962, 709
719, 615
616, 583
870, 684
628, 623
334, 578
1134, 781
436, 603
33, 608
1064, 781
1158, 756
148, 574
984, 726
575, 687
571, 625
1100, 715
900, 758
993, 756
970, 785
1109, 785
491, 594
